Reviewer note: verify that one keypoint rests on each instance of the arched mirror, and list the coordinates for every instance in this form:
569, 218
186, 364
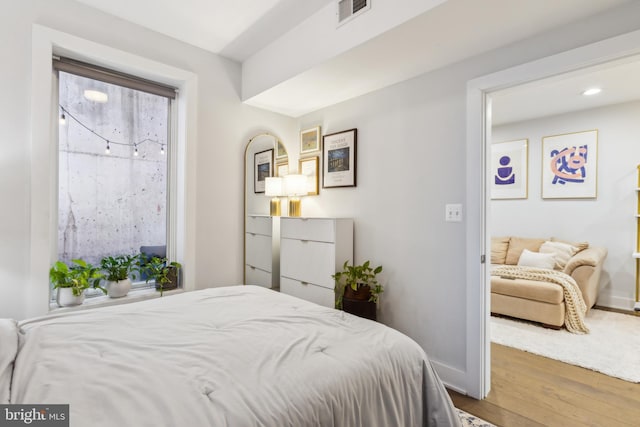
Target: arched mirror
265, 156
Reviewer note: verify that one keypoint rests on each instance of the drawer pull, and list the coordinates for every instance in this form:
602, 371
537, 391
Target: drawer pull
304, 241
304, 283
252, 267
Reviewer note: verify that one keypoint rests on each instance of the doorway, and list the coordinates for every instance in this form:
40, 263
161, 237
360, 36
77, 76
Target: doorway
480, 95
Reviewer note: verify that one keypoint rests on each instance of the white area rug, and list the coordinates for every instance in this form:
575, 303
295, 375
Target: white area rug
469, 420
612, 347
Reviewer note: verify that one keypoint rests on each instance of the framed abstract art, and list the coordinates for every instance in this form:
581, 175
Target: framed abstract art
509, 169
570, 165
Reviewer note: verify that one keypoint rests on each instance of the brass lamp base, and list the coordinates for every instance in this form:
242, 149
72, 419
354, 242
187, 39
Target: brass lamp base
295, 208
275, 207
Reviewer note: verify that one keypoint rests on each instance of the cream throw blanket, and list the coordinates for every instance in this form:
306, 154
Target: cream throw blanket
575, 307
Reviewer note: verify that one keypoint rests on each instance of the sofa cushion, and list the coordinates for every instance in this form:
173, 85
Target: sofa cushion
537, 259
580, 245
517, 245
528, 289
499, 246
561, 251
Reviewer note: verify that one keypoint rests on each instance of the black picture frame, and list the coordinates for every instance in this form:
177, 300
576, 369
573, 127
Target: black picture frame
340, 159
262, 168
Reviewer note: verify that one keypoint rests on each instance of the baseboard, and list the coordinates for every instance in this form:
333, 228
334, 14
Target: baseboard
612, 301
453, 378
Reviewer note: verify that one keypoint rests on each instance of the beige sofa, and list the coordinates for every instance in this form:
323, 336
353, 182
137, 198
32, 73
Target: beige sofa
536, 300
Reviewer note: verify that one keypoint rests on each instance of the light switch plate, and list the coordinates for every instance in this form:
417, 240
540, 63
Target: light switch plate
453, 213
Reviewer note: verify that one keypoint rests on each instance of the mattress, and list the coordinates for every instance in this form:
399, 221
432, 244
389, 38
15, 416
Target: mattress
232, 356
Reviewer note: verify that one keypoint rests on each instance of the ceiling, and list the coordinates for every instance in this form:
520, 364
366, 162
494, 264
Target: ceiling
235, 29
618, 80
238, 29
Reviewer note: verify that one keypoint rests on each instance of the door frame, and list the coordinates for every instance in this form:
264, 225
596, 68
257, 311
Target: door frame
478, 221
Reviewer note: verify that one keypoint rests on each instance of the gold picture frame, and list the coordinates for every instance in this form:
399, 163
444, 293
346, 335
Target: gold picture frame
510, 170
310, 140
310, 168
282, 169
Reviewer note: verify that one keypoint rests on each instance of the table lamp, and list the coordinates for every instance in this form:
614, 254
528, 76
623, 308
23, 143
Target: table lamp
273, 187
295, 186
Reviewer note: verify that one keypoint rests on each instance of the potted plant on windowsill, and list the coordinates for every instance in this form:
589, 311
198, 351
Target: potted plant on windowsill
163, 272
357, 289
71, 282
118, 270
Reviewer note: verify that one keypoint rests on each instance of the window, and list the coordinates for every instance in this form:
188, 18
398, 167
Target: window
113, 157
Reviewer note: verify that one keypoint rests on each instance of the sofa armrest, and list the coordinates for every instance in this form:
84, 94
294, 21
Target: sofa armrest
585, 267
592, 257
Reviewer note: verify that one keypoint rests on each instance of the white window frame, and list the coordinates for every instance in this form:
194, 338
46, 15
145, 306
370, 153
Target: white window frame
47, 42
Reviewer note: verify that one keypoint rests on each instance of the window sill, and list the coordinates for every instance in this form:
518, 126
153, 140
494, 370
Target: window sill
103, 301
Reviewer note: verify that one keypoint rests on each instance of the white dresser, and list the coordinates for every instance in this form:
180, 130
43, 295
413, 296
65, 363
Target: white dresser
262, 251
311, 250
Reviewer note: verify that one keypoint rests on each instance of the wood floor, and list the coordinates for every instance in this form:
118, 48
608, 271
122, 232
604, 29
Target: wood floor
530, 390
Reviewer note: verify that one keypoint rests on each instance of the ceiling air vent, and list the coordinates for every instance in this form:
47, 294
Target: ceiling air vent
348, 9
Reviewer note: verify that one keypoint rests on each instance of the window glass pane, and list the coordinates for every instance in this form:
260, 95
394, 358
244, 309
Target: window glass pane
112, 195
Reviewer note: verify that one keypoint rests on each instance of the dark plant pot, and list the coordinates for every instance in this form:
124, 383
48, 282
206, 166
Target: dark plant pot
357, 302
172, 275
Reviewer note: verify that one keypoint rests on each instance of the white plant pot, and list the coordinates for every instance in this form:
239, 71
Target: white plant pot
66, 298
118, 289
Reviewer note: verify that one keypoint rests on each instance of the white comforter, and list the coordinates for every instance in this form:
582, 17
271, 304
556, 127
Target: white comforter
236, 356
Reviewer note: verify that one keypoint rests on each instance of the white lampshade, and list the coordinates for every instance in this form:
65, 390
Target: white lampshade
295, 185
273, 186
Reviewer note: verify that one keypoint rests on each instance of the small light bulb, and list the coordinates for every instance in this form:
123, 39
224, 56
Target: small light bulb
108, 149
592, 91
162, 149
135, 153
63, 119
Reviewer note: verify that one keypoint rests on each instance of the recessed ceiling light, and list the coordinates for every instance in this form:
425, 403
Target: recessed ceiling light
592, 91
96, 96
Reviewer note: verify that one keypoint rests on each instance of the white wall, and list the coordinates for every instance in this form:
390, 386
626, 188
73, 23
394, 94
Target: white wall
606, 221
224, 125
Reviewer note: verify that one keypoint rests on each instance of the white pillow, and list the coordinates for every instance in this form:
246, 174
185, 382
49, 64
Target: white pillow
561, 251
536, 259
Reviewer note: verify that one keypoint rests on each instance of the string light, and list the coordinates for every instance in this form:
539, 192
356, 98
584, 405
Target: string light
108, 142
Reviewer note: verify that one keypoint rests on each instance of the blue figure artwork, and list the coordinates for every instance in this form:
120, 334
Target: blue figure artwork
505, 175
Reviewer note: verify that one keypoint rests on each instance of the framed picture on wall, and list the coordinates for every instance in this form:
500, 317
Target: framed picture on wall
310, 140
339, 159
263, 168
509, 169
570, 165
282, 169
281, 151
309, 168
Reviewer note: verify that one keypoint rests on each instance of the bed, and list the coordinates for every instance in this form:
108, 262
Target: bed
232, 356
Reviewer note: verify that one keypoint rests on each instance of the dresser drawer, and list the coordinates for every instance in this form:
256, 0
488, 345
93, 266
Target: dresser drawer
259, 225
309, 292
258, 251
317, 229
257, 276
308, 261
